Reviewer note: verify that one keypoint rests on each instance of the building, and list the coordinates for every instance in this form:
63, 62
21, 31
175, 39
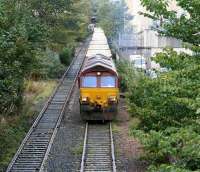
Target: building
143, 40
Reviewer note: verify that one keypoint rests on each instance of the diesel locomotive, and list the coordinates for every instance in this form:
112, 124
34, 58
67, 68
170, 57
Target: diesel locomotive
98, 81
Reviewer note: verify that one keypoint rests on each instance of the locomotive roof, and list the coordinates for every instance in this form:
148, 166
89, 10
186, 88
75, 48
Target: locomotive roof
99, 53
98, 30
99, 60
104, 52
98, 42
98, 46
99, 38
98, 34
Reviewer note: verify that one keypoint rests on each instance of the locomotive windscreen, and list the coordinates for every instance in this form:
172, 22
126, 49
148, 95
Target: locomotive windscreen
89, 81
108, 81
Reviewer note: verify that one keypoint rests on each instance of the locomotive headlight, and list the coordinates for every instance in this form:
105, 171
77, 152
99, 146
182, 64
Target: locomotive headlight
112, 99
84, 99
98, 73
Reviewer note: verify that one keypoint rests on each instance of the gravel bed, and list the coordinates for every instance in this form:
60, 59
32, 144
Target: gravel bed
125, 163
127, 149
66, 151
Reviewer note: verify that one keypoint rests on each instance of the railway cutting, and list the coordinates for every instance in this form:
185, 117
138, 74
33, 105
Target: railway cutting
35, 147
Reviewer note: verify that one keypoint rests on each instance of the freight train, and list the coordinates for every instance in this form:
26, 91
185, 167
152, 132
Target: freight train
98, 81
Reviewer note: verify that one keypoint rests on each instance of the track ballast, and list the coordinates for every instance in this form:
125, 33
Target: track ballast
34, 149
98, 150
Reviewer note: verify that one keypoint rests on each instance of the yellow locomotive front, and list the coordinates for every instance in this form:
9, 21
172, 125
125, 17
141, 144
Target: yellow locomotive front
98, 81
99, 92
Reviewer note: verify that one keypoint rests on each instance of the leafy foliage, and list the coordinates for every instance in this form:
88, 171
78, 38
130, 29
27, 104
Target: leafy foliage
65, 56
168, 110
17, 52
27, 30
168, 106
14, 128
110, 16
177, 146
167, 168
32, 34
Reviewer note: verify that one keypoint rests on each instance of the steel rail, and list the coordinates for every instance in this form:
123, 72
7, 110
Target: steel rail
98, 149
84, 149
60, 118
44, 110
112, 149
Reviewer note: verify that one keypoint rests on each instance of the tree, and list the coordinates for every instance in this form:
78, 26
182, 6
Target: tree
110, 16
27, 30
168, 107
21, 36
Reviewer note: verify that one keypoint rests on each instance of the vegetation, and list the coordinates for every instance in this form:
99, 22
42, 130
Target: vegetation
66, 55
32, 35
168, 106
110, 16
13, 129
27, 31
77, 150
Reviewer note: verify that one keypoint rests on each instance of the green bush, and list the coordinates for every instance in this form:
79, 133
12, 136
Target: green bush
10, 138
177, 146
172, 99
66, 56
168, 111
167, 168
127, 73
19, 33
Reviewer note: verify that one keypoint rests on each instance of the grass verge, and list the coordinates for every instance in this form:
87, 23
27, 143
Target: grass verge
13, 129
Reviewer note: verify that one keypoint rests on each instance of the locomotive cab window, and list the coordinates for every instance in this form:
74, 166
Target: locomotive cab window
89, 81
108, 81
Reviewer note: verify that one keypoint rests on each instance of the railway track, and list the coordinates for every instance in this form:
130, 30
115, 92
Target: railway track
35, 147
98, 149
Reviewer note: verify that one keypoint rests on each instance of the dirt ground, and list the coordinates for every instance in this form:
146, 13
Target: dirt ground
127, 148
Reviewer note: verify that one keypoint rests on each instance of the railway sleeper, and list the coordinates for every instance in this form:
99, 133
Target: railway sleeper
40, 136
60, 94
28, 165
23, 170
28, 160
49, 120
59, 100
43, 126
35, 152
54, 107
96, 169
98, 160
50, 115
92, 170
